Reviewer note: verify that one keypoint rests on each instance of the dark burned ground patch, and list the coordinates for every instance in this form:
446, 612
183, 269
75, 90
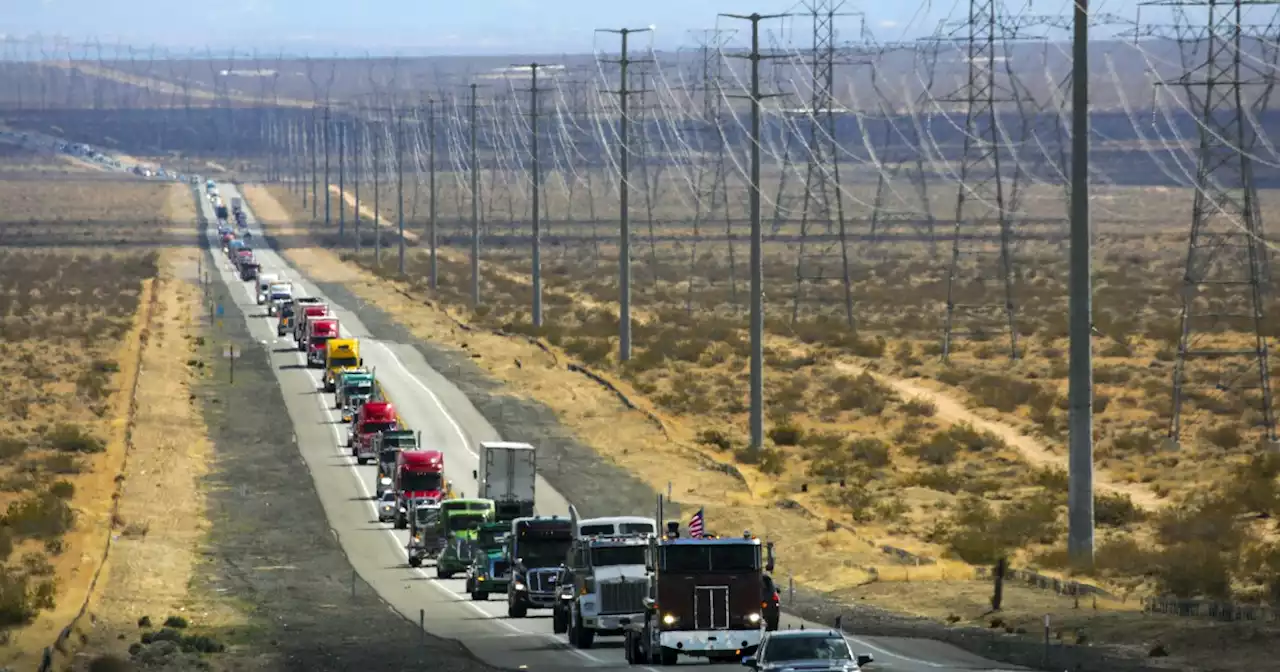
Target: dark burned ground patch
270, 547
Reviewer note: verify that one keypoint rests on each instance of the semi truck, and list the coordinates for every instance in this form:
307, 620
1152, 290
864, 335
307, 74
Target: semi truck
374, 418
353, 388
605, 580
319, 332
459, 521
389, 445
536, 549
342, 354
308, 312
507, 475
704, 599
278, 293
490, 572
419, 475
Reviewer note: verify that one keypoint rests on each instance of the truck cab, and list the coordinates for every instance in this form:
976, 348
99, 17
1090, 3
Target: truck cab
284, 317
249, 267
388, 445
309, 312
425, 540
374, 418
353, 388
419, 475
278, 293
606, 582
265, 281
704, 600
489, 572
341, 354
536, 549
460, 521
319, 332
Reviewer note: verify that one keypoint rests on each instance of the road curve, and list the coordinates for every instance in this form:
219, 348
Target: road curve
430, 403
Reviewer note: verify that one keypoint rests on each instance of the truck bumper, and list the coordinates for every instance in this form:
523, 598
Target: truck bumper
709, 641
492, 586
539, 600
612, 623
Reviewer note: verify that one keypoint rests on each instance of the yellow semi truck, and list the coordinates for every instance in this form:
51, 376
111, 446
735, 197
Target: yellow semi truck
342, 354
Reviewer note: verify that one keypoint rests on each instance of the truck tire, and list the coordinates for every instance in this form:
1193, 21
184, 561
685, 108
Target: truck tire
478, 596
558, 625
517, 610
668, 657
441, 574
579, 636
415, 562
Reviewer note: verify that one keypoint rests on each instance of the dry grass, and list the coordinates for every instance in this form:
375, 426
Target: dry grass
961, 461
71, 315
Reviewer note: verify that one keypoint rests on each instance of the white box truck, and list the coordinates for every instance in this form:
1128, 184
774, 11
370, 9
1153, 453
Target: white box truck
507, 475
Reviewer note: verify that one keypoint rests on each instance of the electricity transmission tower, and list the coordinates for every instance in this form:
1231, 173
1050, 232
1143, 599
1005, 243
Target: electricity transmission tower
982, 208
823, 197
1224, 284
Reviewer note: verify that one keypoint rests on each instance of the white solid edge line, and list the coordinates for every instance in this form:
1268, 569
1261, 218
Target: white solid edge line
328, 413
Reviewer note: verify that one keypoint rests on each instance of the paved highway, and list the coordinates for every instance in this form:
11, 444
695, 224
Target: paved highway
430, 403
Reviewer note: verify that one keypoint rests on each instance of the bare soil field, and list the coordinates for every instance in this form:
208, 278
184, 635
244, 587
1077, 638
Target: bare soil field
76, 318
873, 442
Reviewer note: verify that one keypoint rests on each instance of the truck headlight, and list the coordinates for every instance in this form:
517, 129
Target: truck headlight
419, 539
385, 481
518, 585
753, 618
669, 619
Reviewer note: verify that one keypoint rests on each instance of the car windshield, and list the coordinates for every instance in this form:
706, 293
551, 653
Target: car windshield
344, 362
711, 557
815, 647
617, 555
389, 496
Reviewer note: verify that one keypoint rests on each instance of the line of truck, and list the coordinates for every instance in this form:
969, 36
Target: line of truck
666, 594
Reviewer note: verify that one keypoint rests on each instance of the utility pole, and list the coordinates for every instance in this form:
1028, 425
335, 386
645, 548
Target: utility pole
1080, 516
327, 130
757, 273
377, 193
400, 183
315, 173
475, 209
342, 179
535, 172
355, 177
624, 191
431, 172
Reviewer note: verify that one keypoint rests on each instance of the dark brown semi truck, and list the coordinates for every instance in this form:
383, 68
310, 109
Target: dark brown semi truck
704, 600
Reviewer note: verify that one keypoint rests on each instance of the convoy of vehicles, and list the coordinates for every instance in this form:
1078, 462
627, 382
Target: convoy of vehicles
668, 596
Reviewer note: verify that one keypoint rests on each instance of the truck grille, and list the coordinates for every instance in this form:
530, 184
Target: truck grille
542, 580
501, 568
711, 608
623, 597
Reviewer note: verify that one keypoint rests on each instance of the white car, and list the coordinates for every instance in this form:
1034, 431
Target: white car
387, 506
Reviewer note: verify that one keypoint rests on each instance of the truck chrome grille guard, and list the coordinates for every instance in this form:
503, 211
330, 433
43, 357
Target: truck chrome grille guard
711, 608
623, 597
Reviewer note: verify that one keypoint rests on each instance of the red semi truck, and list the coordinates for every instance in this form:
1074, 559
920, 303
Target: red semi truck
375, 416
419, 477
319, 331
309, 312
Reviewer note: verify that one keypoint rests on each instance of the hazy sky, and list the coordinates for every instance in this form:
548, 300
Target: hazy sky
460, 26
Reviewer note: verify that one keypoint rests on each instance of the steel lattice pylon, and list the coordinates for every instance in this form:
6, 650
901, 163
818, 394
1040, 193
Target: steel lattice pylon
823, 197
1224, 282
980, 199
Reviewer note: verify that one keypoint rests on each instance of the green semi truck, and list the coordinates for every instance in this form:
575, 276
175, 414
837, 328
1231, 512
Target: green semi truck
490, 572
459, 521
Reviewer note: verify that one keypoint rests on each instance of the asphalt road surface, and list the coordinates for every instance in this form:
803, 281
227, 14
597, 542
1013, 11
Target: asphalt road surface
431, 404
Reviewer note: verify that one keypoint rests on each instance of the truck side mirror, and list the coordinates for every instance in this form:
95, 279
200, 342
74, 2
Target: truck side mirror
865, 659
769, 563
475, 474
650, 603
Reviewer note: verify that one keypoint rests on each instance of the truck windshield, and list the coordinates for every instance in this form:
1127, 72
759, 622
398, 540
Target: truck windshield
499, 567
373, 427
543, 552
617, 555
420, 482
465, 522
711, 558
344, 362
319, 340
491, 538
359, 389
427, 516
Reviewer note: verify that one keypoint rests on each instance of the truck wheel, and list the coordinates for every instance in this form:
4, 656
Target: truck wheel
361, 460
479, 596
580, 636
517, 610
668, 656
441, 574
415, 561
557, 622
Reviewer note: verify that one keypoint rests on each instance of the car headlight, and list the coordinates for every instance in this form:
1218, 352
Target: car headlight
669, 619
753, 618
385, 481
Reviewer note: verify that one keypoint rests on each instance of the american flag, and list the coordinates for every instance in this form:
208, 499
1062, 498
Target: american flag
695, 525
